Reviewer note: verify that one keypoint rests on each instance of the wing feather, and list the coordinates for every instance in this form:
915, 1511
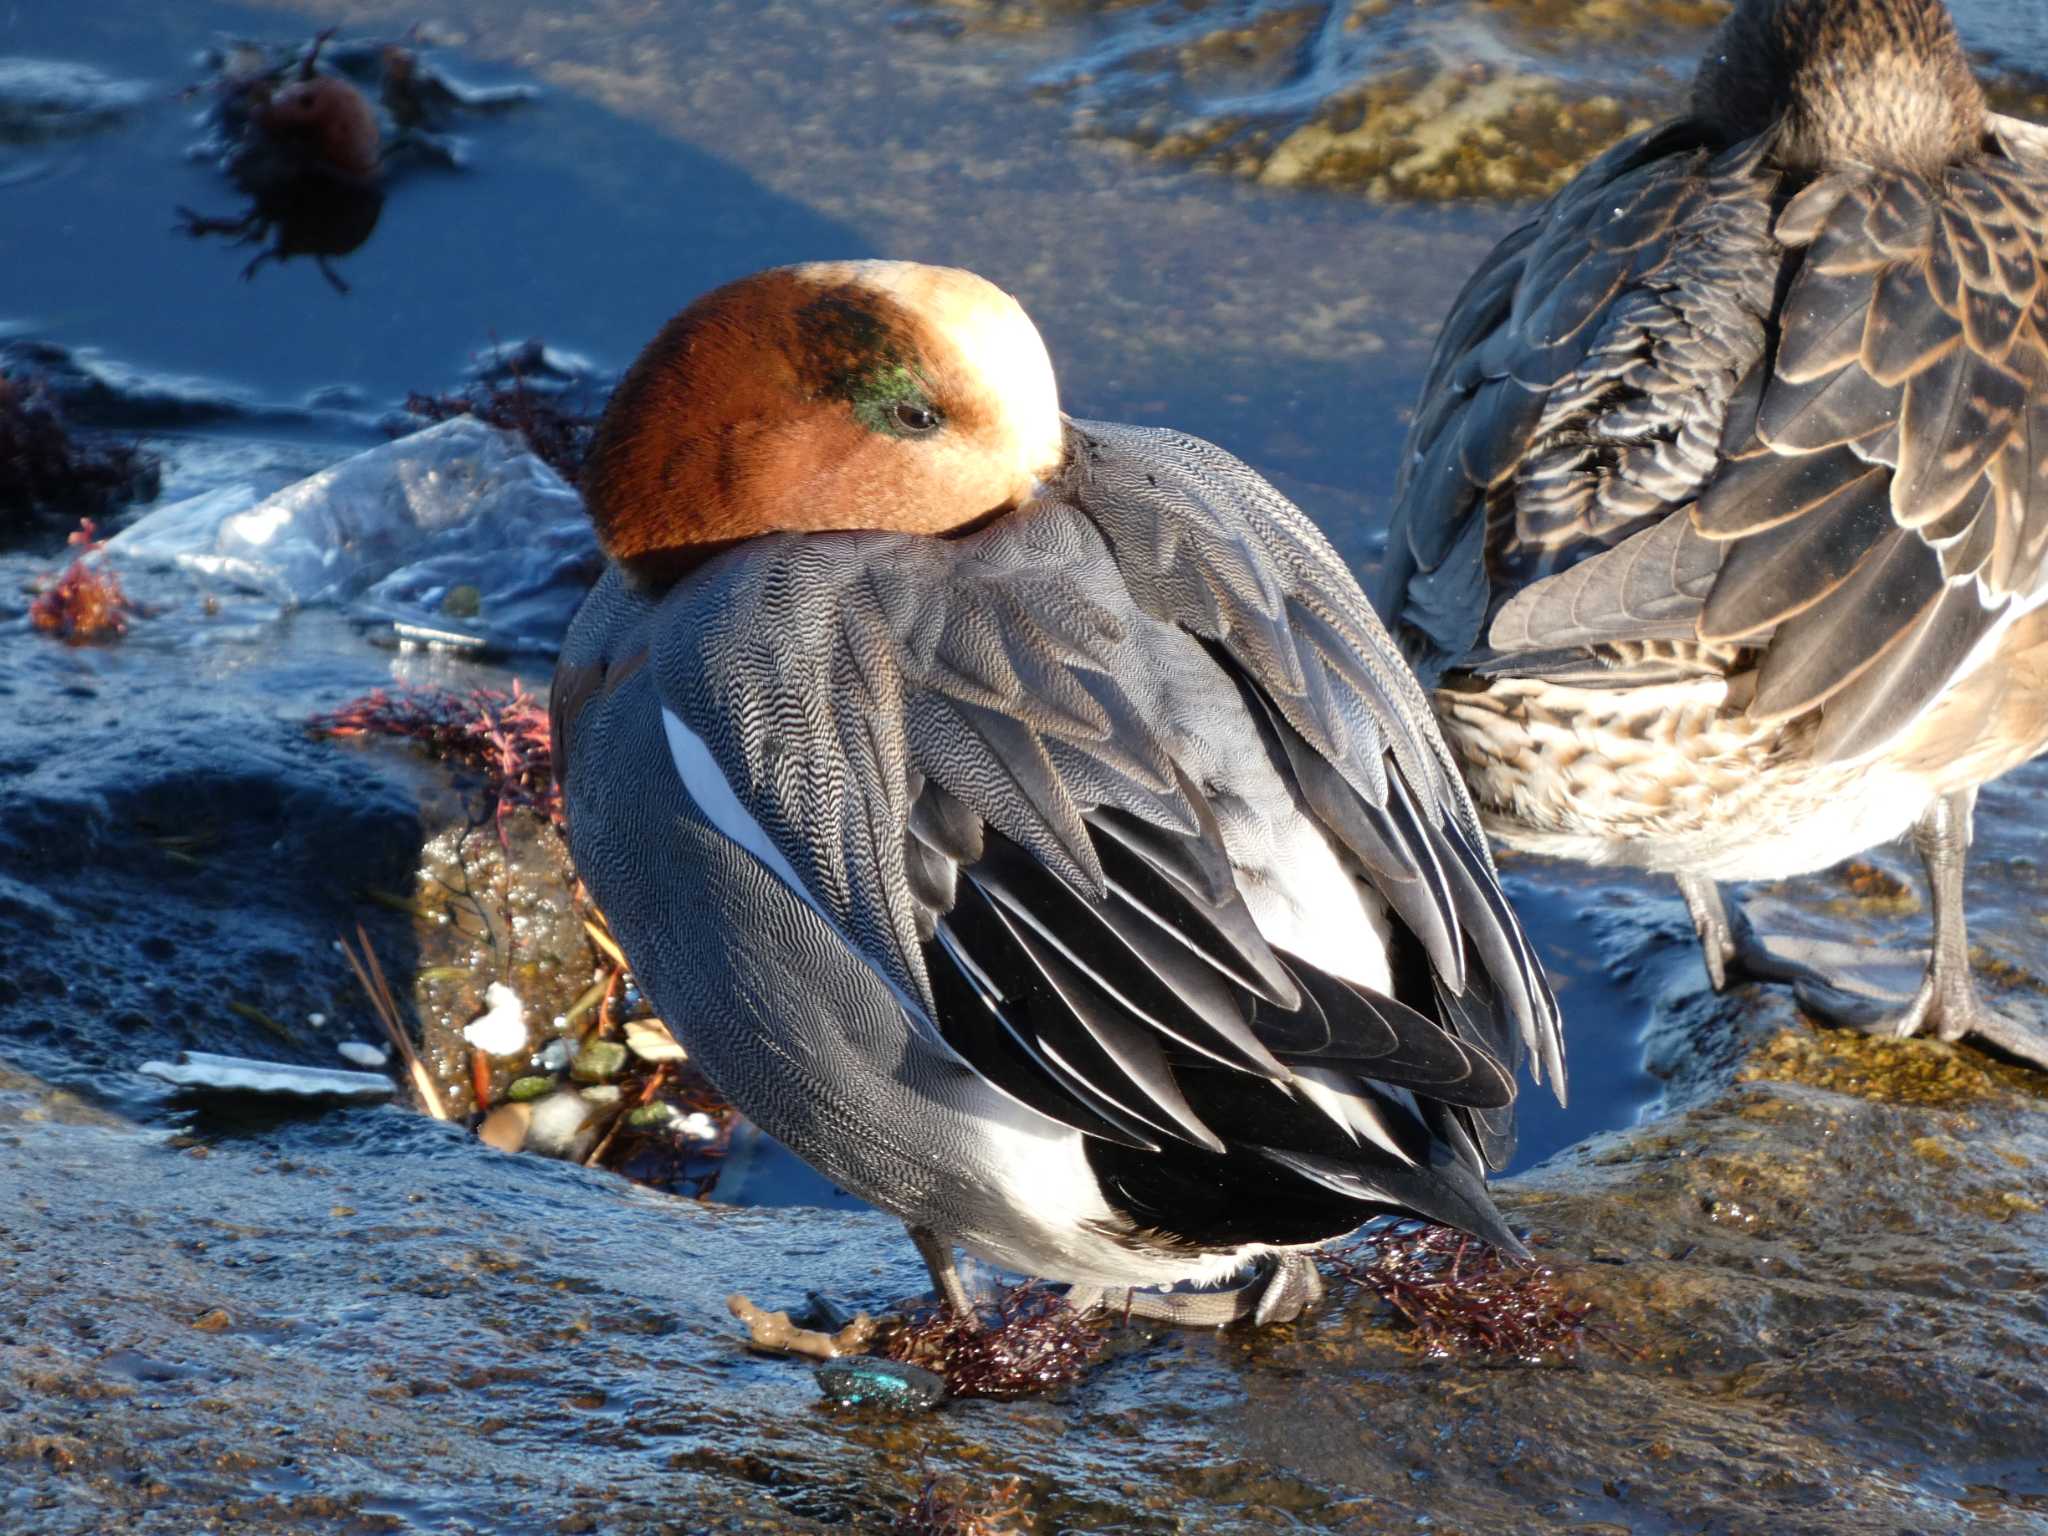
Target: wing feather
1876, 492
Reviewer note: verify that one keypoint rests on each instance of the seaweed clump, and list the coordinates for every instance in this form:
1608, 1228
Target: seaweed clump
951, 1507
45, 467
83, 602
1463, 1299
502, 735
1038, 1344
557, 417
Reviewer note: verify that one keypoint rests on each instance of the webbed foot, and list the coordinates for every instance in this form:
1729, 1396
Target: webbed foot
1947, 1006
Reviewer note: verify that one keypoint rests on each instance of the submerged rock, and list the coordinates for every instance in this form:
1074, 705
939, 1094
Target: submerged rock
1466, 98
55, 98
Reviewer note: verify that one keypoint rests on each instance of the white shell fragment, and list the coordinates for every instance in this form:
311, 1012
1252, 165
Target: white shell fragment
362, 1053
502, 1030
204, 1072
698, 1126
650, 1040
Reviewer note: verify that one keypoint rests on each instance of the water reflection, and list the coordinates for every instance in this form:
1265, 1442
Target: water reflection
305, 147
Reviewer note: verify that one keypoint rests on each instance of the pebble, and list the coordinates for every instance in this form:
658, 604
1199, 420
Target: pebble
523, 1090
603, 1093
649, 1117
506, 1127
558, 1121
556, 1054
362, 1053
860, 1380
598, 1061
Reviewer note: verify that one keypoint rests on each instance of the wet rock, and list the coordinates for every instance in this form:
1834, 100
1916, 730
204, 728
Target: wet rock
1406, 100
1876, 1314
1472, 98
523, 1089
54, 98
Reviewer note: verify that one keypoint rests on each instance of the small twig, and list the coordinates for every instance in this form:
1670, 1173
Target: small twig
592, 995
647, 1092
607, 943
385, 1005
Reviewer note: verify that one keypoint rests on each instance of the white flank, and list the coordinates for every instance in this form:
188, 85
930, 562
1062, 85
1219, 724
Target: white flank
1306, 900
1353, 1112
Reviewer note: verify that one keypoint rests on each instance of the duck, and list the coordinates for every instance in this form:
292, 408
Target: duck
1026, 820
1720, 529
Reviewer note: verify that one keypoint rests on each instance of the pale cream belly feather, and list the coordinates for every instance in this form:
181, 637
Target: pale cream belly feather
1669, 778
1677, 778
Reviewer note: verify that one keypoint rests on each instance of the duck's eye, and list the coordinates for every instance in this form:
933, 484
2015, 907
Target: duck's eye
914, 416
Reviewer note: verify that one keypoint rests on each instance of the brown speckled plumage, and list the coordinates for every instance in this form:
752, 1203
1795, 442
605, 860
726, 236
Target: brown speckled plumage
1725, 509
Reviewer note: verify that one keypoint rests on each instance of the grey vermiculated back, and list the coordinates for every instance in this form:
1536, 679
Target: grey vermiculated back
1020, 668
964, 864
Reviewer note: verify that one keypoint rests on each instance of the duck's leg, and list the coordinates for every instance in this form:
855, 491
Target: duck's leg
1286, 1288
937, 1254
1948, 1005
1729, 943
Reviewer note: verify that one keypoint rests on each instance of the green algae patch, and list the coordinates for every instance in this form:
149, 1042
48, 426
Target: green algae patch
1929, 1073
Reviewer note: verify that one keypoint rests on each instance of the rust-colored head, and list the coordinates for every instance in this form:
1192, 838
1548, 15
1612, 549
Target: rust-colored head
324, 120
835, 395
1872, 82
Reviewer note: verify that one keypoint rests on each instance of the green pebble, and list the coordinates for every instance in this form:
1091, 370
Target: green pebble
598, 1060
650, 1117
524, 1090
870, 1380
463, 602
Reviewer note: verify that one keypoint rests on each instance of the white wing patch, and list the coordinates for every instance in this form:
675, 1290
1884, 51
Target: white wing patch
705, 783
1353, 1113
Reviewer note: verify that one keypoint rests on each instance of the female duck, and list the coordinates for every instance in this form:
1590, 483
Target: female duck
1722, 529
1026, 821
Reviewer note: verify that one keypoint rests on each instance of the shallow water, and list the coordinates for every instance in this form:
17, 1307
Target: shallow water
544, 1345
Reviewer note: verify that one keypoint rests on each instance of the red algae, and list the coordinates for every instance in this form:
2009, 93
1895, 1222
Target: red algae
44, 465
1038, 1344
951, 1507
83, 602
504, 735
557, 425
1462, 1298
